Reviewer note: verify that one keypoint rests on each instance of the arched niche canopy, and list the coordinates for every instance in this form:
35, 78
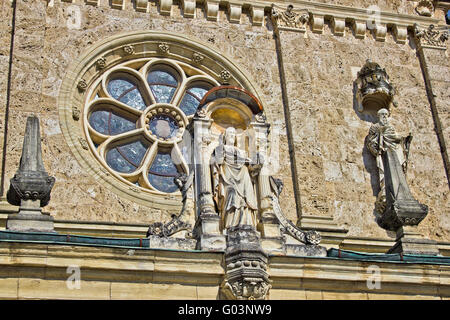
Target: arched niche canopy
227, 106
233, 92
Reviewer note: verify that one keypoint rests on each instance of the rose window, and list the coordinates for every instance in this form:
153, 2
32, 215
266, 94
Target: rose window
136, 119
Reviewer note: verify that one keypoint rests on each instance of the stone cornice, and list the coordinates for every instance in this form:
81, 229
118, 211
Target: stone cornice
46, 266
360, 19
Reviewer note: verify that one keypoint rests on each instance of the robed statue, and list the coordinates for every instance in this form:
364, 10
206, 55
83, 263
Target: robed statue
382, 142
233, 186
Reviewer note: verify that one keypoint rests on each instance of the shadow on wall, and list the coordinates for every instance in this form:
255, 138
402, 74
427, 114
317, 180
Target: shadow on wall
370, 164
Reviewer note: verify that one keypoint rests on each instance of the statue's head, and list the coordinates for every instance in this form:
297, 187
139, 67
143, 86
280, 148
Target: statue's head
383, 116
230, 136
290, 7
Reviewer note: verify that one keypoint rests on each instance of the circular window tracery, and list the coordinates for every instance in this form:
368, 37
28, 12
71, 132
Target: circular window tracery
130, 56
137, 116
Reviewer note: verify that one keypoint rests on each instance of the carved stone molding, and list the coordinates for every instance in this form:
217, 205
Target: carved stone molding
425, 8
317, 11
142, 5
129, 50
400, 33
257, 14
163, 47
118, 4
212, 10
338, 25
82, 85
288, 19
76, 113
317, 23
433, 37
101, 63
188, 7
234, 12
225, 75
165, 7
359, 28
197, 57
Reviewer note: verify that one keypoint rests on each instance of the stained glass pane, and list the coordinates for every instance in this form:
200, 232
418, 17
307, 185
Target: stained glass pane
127, 92
198, 92
163, 164
110, 123
163, 126
162, 172
119, 124
192, 98
127, 157
99, 121
161, 77
162, 94
163, 85
189, 104
163, 184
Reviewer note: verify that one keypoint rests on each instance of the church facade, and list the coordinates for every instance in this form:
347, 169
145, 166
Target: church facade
224, 149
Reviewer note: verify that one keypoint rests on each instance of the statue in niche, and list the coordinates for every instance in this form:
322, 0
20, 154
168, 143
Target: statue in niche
382, 137
233, 187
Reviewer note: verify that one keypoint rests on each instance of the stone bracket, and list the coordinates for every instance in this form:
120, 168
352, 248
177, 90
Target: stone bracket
165, 7
142, 5
188, 8
361, 18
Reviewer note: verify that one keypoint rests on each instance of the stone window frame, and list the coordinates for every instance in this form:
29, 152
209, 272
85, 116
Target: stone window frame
107, 55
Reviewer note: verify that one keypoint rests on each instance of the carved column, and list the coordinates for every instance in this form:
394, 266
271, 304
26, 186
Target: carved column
31, 185
269, 226
207, 227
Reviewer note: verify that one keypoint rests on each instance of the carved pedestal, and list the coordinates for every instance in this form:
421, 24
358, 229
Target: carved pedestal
208, 232
409, 241
246, 275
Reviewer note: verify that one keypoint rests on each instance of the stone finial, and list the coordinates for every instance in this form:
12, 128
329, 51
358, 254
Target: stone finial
374, 88
31, 185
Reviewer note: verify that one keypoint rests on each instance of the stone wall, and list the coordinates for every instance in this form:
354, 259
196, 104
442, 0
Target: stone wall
335, 172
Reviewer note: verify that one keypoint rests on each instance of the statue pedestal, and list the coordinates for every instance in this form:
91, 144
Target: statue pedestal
208, 231
30, 222
272, 240
246, 276
409, 241
30, 218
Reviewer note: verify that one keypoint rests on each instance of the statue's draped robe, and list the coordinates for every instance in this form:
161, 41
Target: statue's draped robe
234, 192
380, 139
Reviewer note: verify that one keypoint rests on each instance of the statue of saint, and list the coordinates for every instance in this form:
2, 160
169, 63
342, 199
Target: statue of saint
381, 138
234, 192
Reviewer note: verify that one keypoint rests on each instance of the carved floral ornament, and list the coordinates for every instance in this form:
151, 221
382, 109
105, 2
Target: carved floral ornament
432, 37
145, 119
288, 19
425, 8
